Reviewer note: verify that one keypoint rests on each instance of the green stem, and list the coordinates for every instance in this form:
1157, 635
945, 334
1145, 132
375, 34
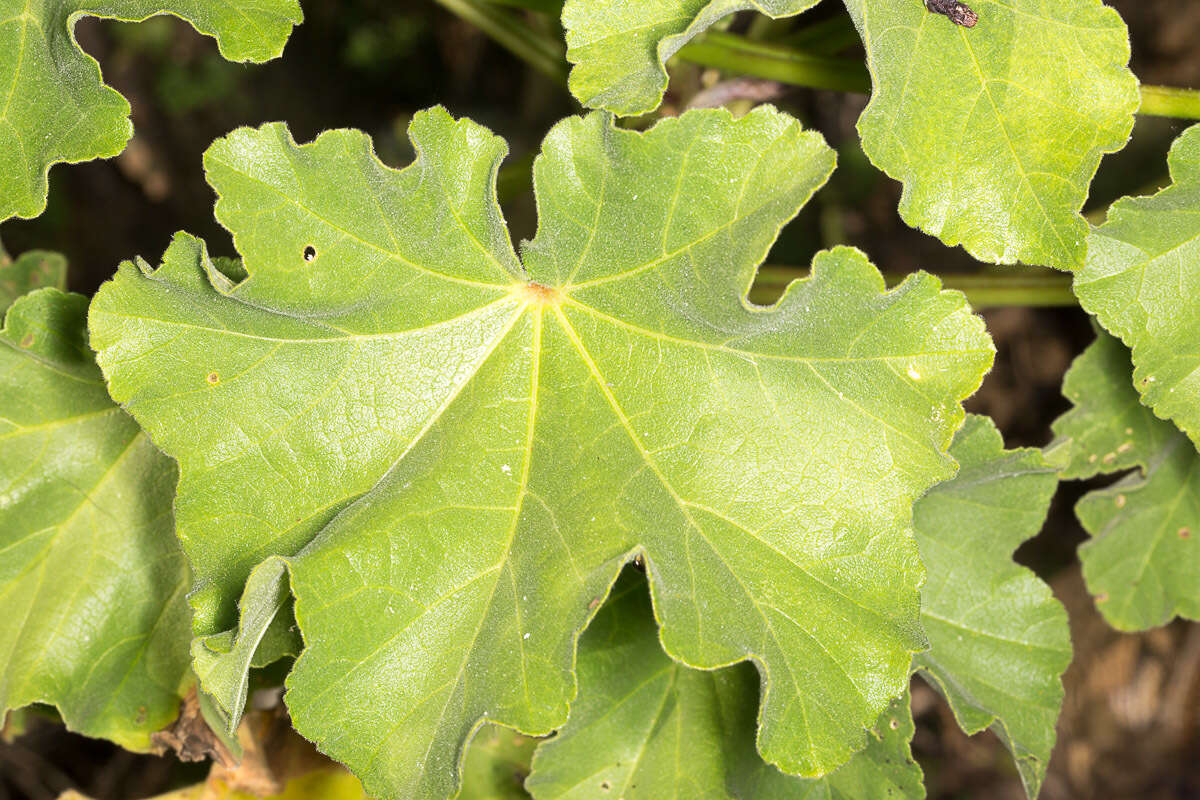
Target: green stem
551, 7
827, 38
1168, 101
542, 52
986, 290
732, 53
798, 67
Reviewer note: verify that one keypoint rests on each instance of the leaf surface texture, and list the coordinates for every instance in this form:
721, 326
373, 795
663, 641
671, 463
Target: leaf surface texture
92, 581
453, 450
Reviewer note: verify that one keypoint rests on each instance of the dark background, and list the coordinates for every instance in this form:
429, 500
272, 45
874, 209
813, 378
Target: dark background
1131, 723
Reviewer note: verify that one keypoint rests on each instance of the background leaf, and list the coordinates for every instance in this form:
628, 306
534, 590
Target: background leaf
998, 638
55, 108
995, 131
1141, 281
1143, 562
35, 269
496, 765
92, 615
455, 453
619, 50
645, 726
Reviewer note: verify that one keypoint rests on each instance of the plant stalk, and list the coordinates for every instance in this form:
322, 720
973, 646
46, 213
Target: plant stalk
1169, 101
732, 53
983, 290
542, 52
726, 51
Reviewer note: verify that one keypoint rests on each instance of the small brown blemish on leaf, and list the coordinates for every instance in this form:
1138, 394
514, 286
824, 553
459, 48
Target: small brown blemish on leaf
959, 13
1102, 597
213, 378
1129, 431
1125, 448
1109, 458
537, 294
592, 606
1092, 458
605, 785
894, 724
27, 340
1120, 501
1185, 533
310, 254
141, 715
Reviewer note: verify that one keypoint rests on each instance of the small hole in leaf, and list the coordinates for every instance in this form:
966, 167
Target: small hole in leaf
213, 378
894, 724
310, 254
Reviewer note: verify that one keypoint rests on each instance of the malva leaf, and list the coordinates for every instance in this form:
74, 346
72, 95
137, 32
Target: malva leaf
1143, 561
998, 638
645, 726
995, 131
35, 269
453, 451
92, 581
1141, 281
55, 108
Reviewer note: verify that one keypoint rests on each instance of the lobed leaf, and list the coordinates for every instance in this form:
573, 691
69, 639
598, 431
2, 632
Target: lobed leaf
453, 451
645, 726
1143, 562
92, 582
55, 108
998, 639
1141, 281
995, 131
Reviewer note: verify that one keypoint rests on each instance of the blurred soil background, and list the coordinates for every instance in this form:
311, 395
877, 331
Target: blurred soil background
1131, 723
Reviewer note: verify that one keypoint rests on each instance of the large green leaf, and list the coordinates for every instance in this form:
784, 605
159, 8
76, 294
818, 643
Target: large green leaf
998, 638
995, 131
1143, 562
55, 108
92, 581
454, 451
35, 269
1142, 279
645, 726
